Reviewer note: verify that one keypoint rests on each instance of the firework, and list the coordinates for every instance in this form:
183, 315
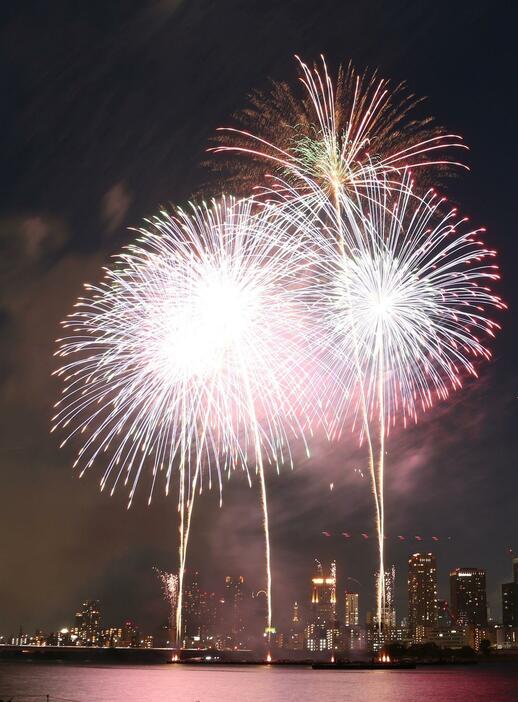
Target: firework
401, 310
340, 133
410, 297
331, 143
188, 356
169, 583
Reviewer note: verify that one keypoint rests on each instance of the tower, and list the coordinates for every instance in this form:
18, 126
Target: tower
192, 613
88, 622
351, 617
468, 596
422, 594
322, 630
235, 608
296, 640
510, 598
388, 614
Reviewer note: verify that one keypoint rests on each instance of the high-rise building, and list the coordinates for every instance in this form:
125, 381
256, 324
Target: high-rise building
235, 609
130, 635
323, 595
192, 610
510, 598
381, 633
468, 602
422, 594
353, 636
510, 604
351, 617
322, 629
88, 623
388, 614
296, 637
210, 605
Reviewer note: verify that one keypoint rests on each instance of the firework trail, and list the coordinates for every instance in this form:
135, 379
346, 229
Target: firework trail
335, 140
169, 583
188, 357
401, 319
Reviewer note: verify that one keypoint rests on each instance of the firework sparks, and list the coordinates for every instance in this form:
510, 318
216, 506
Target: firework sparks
331, 144
401, 310
187, 356
412, 295
340, 133
169, 583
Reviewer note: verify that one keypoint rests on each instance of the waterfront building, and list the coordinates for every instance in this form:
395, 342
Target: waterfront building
510, 604
235, 606
351, 612
388, 614
192, 610
322, 632
295, 641
507, 637
88, 623
468, 602
422, 595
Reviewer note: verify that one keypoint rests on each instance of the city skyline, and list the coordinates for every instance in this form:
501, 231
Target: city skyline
226, 616
295, 590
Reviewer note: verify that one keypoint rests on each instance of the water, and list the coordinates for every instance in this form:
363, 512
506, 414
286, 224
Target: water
168, 683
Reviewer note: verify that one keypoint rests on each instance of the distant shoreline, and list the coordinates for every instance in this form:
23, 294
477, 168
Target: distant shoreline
157, 656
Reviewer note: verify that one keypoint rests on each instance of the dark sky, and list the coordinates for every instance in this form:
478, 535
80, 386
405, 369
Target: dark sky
105, 114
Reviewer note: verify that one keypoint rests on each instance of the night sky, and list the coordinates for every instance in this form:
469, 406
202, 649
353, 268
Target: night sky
106, 112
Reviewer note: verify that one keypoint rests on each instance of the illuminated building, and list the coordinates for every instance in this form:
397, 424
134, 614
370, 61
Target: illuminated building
235, 610
322, 630
388, 613
37, 639
510, 598
323, 596
147, 642
422, 595
507, 637
88, 620
476, 634
192, 614
510, 604
378, 636
296, 637
111, 637
351, 616
468, 596
443, 614
130, 635
210, 605
354, 638
447, 637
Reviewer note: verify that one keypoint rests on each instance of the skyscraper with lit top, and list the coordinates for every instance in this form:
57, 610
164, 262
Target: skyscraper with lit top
422, 595
468, 602
322, 629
